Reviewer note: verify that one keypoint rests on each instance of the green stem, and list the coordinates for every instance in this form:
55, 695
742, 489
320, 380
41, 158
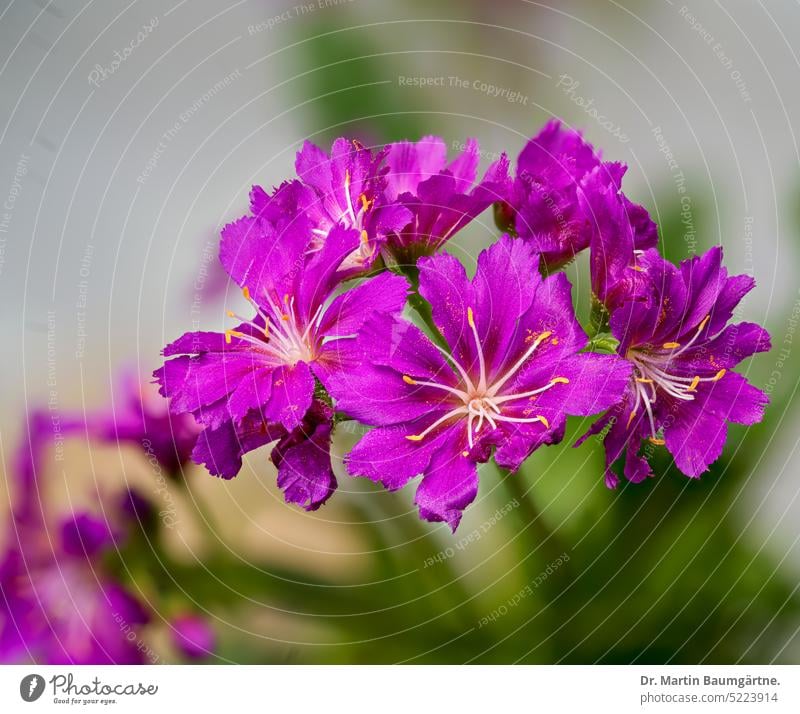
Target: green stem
598, 319
204, 516
422, 307
546, 541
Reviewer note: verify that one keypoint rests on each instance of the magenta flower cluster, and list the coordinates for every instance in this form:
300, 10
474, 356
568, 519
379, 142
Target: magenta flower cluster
353, 311
61, 602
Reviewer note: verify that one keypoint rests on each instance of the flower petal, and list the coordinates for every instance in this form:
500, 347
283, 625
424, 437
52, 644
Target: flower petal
252, 394
443, 282
386, 456
505, 284
384, 294
449, 485
413, 162
262, 259
291, 395
304, 469
697, 434
315, 278
221, 449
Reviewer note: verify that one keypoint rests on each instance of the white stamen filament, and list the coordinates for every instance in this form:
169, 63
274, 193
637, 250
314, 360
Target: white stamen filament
480, 403
481, 360
283, 338
351, 218
498, 385
651, 367
349, 201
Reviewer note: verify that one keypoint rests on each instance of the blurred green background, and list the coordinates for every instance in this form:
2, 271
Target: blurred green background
548, 565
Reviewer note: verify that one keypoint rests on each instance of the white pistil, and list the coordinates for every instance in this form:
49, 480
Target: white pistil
480, 403
350, 218
481, 360
459, 393
349, 200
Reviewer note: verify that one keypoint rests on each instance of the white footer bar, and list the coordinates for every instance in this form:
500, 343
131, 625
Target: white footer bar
401, 689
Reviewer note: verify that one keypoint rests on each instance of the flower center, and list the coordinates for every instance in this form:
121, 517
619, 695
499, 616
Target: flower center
652, 374
284, 338
481, 403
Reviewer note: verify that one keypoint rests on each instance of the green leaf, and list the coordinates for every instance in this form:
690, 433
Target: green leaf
604, 343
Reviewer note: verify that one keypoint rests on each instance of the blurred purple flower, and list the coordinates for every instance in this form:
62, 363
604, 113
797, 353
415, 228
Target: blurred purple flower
139, 416
57, 604
193, 636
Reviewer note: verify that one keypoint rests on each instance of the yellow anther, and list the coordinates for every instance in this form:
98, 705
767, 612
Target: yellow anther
630, 419
347, 178
465, 453
543, 420
559, 380
408, 379
638, 269
657, 442
231, 333
285, 318
364, 237
671, 345
365, 204
414, 437
231, 313
719, 375
644, 380
703, 323
545, 335
693, 386
246, 293
470, 317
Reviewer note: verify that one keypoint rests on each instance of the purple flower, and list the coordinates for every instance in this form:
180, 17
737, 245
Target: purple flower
85, 535
616, 236
346, 189
544, 206
510, 376
682, 392
193, 636
138, 415
301, 455
255, 384
303, 460
136, 510
441, 197
66, 612
57, 603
